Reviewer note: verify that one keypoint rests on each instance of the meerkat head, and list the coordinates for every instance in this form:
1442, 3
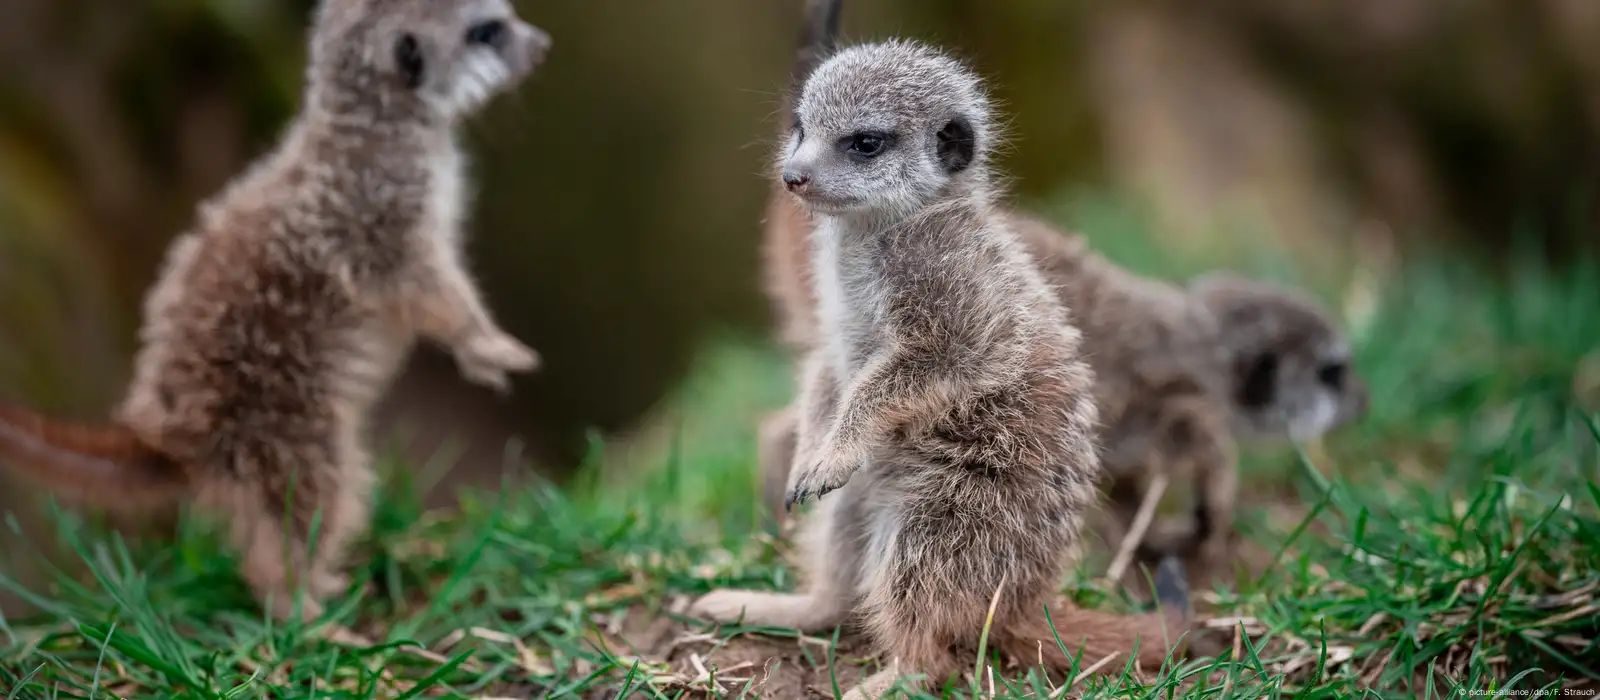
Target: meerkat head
887, 127
1289, 362
439, 59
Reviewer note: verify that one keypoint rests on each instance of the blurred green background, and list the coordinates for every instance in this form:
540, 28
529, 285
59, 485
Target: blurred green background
621, 190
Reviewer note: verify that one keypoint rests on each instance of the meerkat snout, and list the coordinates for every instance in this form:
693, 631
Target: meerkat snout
498, 53
1292, 375
522, 46
801, 167
796, 180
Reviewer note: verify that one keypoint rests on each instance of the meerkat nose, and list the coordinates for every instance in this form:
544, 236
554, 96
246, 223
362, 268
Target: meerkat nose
534, 43
795, 181
540, 40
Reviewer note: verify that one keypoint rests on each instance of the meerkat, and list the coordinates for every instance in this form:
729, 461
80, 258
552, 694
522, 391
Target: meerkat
1182, 372
1179, 372
946, 422
280, 317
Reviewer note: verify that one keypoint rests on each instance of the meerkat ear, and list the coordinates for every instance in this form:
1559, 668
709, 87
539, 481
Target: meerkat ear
408, 60
1258, 381
957, 145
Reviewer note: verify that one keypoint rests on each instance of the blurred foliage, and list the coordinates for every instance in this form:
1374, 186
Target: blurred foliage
1476, 117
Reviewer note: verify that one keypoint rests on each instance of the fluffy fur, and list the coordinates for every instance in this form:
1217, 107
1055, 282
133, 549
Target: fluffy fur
280, 318
1180, 372
945, 420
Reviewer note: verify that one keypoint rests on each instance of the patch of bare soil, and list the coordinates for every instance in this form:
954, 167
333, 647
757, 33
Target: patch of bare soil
695, 657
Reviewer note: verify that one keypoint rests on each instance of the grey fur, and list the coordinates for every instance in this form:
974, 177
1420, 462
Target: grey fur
1172, 364
945, 402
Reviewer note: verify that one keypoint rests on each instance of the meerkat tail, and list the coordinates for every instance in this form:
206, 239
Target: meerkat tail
1155, 637
106, 466
818, 40
820, 37
786, 227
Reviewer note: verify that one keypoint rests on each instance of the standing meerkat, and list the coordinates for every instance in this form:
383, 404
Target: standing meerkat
1179, 372
279, 319
945, 422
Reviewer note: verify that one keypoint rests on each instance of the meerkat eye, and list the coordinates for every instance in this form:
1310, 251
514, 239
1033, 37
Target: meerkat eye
408, 59
1332, 374
865, 144
491, 33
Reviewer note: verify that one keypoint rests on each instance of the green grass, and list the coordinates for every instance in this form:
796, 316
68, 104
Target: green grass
1448, 542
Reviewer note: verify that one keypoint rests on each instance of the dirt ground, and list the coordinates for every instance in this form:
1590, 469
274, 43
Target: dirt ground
687, 655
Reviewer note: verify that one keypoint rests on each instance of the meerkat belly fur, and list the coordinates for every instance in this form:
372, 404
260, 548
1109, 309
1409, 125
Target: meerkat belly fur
946, 421
1181, 373
280, 318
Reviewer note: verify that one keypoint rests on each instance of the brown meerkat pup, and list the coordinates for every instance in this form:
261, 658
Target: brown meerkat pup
280, 317
946, 422
1179, 372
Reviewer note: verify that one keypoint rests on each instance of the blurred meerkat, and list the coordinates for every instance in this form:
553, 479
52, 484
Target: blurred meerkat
1182, 372
279, 319
1179, 372
945, 407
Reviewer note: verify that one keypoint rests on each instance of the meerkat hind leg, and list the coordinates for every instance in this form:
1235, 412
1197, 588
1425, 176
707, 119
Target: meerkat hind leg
807, 612
1215, 514
778, 443
346, 513
831, 563
879, 684
280, 562
930, 665
919, 632
271, 559
1213, 462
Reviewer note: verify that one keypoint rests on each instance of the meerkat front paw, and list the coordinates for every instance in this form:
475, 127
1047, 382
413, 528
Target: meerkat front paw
488, 358
827, 469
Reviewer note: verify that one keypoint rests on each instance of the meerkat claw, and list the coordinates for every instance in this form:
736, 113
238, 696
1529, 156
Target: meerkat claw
817, 482
796, 497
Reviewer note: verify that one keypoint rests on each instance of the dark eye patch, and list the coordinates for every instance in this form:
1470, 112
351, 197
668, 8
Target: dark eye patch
408, 60
491, 33
1258, 383
1333, 374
